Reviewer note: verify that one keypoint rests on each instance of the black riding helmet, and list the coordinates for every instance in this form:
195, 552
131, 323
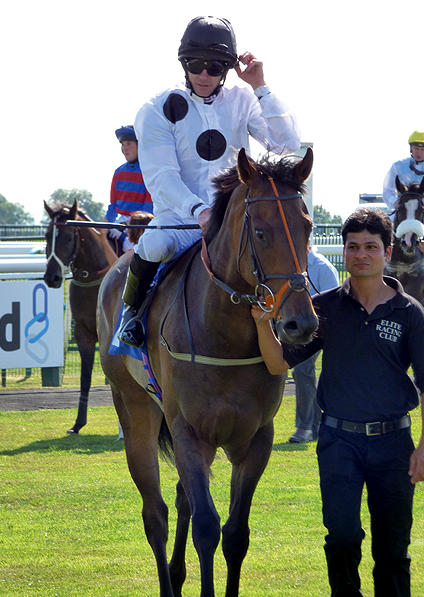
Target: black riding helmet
209, 38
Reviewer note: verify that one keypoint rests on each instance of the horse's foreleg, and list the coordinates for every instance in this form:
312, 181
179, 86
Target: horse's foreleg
86, 348
235, 533
141, 420
206, 535
177, 566
144, 469
193, 464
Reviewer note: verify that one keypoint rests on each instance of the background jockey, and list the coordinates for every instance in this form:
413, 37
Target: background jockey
190, 133
410, 170
128, 192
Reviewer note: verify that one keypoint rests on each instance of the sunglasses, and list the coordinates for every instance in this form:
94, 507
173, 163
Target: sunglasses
214, 68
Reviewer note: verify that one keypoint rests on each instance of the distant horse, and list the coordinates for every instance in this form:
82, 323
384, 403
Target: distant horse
204, 354
138, 218
89, 254
407, 262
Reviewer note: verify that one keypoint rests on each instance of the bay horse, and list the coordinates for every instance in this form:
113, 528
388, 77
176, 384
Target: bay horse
89, 255
204, 354
407, 262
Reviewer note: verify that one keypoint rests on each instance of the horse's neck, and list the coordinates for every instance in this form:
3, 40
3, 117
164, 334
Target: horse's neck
226, 317
223, 262
95, 253
109, 253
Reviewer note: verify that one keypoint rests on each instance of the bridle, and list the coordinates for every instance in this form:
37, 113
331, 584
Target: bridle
55, 233
295, 282
408, 195
77, 245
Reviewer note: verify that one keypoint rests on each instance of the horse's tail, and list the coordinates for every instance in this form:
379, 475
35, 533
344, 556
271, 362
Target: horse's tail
166, 448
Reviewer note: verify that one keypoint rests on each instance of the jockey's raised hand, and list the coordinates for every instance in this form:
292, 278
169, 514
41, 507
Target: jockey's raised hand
253, 74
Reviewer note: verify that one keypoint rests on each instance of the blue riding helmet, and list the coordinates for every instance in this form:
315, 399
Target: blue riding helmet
126, 133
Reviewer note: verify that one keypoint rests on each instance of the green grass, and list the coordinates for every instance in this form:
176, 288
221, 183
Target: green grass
71, 516
18, 379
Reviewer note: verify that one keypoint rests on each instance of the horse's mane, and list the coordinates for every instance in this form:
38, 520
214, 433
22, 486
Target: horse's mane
62, 209
282, 171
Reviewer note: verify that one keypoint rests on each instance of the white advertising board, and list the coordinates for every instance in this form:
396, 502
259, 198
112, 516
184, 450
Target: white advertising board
31, 325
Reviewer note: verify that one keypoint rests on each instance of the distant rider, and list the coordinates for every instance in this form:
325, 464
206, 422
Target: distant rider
128, 192
410, 170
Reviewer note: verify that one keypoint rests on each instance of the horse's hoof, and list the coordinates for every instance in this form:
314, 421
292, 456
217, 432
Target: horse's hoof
76, 428
120, 438
78, 425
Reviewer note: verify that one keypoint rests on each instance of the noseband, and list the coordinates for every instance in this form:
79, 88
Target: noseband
408, 195
295, 282
53, 255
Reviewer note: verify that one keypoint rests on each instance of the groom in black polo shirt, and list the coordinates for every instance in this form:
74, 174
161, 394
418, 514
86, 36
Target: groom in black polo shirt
370, 333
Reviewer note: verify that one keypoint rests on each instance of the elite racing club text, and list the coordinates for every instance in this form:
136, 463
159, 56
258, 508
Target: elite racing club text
389, 330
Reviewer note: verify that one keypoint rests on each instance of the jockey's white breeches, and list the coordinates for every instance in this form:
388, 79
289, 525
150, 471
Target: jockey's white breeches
163, 245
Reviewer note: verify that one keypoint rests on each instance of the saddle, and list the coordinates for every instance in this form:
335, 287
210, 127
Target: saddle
141, 354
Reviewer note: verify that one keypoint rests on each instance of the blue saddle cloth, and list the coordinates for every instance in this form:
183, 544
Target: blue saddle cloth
119, 348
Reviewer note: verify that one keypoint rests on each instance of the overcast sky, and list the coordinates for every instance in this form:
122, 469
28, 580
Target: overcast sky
73, 72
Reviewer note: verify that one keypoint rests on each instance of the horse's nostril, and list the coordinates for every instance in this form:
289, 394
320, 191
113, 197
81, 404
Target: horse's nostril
291, 326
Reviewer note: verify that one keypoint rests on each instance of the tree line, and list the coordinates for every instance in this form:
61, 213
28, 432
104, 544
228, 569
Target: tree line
14, 213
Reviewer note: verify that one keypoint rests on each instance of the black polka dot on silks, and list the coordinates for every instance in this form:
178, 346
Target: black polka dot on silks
211, 145
175, 108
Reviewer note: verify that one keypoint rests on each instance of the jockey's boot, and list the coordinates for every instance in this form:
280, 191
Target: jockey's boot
139, 279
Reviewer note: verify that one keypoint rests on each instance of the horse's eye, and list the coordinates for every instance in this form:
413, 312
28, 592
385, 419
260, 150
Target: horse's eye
260, 235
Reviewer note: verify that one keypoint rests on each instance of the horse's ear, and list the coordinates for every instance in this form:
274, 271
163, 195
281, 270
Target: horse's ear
304, 167
73, 212
48, 210
400, 187
246, 169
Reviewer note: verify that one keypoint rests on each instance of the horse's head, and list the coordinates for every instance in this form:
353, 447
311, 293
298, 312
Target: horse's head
273, 227
140, 218
409, 216
61, 242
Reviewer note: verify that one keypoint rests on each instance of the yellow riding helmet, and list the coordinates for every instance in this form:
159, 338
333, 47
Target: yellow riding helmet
416, 138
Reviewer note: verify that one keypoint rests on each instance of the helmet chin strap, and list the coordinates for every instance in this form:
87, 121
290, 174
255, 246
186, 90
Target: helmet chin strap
215, 91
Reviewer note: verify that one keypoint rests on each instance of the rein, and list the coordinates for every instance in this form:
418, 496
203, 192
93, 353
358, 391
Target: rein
192, 357
295, 282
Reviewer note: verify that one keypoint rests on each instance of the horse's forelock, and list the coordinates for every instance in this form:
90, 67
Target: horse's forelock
281, 171
414, 188
61, 210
